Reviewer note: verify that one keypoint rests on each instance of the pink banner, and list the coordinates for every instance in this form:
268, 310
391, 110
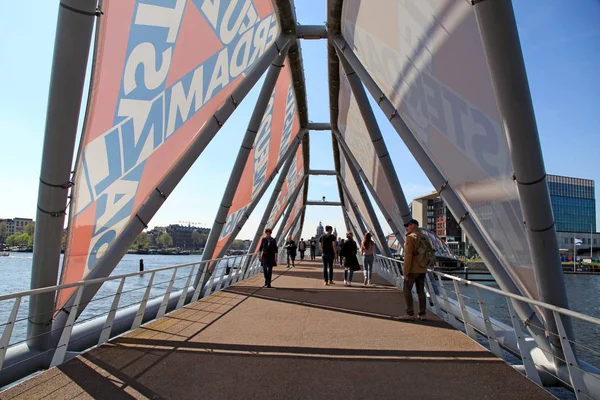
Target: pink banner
160, 72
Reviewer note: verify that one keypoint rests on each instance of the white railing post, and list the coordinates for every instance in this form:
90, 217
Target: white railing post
8, 328
433, 296
489, 329
528, 363
61, 349
184, 291
575, 375
165, 301
137, 322
465, 313
107, 328
198, 290
449, 316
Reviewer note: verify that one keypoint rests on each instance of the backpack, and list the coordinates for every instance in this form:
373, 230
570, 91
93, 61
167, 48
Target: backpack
425, 251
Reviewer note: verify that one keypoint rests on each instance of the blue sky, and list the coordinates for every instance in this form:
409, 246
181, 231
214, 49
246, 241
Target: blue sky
561, 46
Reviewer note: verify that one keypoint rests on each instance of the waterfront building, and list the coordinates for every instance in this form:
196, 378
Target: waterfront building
15, 225
432, 213
573, 203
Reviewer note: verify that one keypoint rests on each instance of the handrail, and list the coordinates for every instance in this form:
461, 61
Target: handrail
47, 289
551, 307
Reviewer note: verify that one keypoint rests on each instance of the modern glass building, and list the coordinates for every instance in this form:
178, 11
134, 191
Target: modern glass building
573, 203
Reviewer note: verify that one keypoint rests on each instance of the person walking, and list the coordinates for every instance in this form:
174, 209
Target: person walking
340, 244
328, 251
302, 248
313, 247
417, 252
290, 246
268, 250
368, 250
350, 261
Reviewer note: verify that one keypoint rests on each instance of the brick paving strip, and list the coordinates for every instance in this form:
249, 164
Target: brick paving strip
298, 340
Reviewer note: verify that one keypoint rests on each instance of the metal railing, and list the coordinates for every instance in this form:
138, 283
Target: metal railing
122, 304
487, 315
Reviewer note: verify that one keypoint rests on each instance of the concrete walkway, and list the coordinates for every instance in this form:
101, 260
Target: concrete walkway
299, 340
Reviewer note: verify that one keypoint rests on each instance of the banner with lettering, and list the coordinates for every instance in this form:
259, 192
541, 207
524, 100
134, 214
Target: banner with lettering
280, 124
296, 209
161, 69
293, 178
352, 127
429, 60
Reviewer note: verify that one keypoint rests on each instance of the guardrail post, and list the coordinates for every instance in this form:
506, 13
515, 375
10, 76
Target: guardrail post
433, 296
165, 301
465, 314
8, 330
198, 289
450, 318
65, 337
489, 329
528, 363
184, 291
137, 322
575, 375
107, 328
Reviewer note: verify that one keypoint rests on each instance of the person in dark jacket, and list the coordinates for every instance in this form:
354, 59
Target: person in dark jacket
268, 252
302, 248
290, 246
350, 261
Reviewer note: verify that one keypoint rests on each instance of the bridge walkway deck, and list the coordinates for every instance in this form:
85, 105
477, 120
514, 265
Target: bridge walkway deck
298, 340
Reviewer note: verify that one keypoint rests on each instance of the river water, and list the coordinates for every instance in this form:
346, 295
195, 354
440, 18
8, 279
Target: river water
15, 273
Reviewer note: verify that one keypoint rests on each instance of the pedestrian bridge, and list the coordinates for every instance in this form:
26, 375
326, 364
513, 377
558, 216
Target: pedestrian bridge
298, 340
449, 79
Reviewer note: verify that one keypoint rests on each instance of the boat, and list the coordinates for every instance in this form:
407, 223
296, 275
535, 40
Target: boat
4, 254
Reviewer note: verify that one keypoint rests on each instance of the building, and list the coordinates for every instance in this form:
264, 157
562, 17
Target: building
15, 225
432, 214
182, 235
573, 203
320, 230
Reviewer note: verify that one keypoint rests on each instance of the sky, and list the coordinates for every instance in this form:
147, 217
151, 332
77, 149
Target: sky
561, 47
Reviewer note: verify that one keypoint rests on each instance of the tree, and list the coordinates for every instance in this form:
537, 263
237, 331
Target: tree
12, 240
29, 229
142, 241
238, 245
3, 230
165, 240
199, 239
19, 239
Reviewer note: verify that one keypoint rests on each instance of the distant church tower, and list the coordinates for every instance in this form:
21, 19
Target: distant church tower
320, 230
335, 232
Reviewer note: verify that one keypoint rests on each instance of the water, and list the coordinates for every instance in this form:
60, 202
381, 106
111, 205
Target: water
16, 274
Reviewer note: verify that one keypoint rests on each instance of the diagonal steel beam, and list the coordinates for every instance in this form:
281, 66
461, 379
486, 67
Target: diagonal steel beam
376, 138
353, 205
446, 191
246, 147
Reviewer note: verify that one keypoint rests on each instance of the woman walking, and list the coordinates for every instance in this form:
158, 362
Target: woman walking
349, 258
367, 249
290, 246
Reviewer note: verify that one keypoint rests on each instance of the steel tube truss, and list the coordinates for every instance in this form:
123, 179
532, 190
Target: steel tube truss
353, 206
376, 138
157, 197
309, 32
367, 201
507, 69
323, 203
290, 207
71, 49
244, 152
446, 191
351, 158
322, 172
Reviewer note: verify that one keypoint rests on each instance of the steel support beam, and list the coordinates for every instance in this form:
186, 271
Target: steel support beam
319, 126
446, 191
498, 28
246, 147
278, 186
157, 197
309, 32
322, 172
285, 234
350, 224
370, 210
323, 203
290, 207
353, 206
69, 64
351, 158
376, 138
